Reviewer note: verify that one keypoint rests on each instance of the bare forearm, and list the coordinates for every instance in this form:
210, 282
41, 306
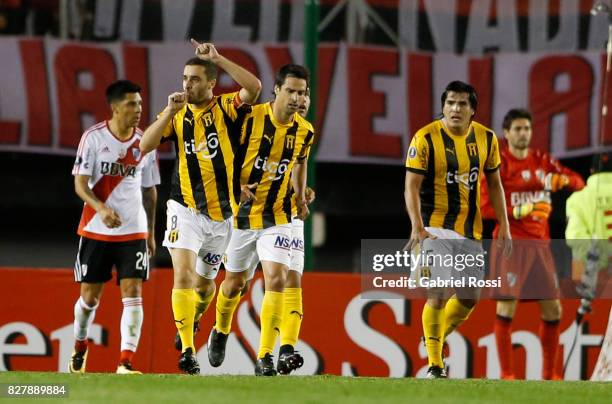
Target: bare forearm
149, 202
153, 134
414, 209
498, 201
243, 77
86, 194
298, 179
412, 189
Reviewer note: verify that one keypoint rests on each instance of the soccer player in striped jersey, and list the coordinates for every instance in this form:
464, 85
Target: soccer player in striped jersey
445, 162
117, 183
293, 310
206, 131
277, 139
288, 358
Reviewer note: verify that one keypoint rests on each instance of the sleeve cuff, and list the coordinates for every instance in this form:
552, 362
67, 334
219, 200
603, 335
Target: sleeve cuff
492, 170
416, 170
237, 101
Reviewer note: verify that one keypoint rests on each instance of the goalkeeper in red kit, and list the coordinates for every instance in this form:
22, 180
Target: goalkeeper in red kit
529, 177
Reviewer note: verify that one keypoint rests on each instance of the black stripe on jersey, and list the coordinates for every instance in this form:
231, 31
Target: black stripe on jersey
428, 196
489, 151
265, 146
233, 126
309, 136
193, 167
218, 163
452, 187
239, 154
268, 210
474, 166
175, 189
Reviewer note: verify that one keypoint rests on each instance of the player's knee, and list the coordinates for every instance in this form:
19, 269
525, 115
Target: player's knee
294, 280
183, 277
233, 285
506, 308
91, 294
276, 282
205, 287
552, 310
131, 289
91, 300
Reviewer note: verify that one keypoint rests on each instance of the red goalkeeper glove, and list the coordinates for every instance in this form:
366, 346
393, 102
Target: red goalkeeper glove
553, 182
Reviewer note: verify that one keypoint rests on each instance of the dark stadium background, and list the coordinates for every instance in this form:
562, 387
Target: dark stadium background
40, 211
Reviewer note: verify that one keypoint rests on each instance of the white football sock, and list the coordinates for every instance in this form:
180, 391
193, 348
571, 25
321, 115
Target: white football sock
131, 323
83, 318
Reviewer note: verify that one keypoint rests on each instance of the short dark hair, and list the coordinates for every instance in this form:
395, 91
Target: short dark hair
117, 90
291, 70
210, 69
461, 87
515, 113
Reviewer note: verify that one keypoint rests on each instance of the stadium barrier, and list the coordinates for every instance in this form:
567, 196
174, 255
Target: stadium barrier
345, 331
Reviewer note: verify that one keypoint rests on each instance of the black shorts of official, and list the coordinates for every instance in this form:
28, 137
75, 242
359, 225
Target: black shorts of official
95, 260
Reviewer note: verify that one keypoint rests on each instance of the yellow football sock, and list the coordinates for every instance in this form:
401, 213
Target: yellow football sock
433, 329
292, 316
455, 314
201, 304
183, 308
225, 311
271, 317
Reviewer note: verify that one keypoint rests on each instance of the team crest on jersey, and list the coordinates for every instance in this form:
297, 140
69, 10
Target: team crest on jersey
540, 174
412, 152
472, 149
208, 119
136, 153
173, 236
526, 174
290, 141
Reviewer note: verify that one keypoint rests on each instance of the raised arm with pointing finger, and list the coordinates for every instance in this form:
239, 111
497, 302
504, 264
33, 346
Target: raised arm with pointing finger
251, 87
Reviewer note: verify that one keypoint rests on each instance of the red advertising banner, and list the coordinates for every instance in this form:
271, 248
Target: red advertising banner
370, 100
345, 332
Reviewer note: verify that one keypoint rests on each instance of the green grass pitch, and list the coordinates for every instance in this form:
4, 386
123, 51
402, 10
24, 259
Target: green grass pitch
164, 388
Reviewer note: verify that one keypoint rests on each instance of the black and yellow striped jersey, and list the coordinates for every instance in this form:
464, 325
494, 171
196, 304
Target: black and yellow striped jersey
452, 166
270, 151
206, 140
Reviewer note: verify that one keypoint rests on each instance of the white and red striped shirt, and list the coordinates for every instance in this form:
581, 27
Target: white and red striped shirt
117, 172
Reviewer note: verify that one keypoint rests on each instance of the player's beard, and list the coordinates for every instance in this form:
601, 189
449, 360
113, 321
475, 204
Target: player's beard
195, 97
521, 144
195, 100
